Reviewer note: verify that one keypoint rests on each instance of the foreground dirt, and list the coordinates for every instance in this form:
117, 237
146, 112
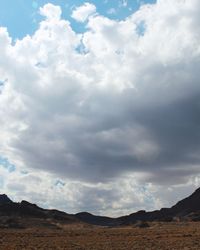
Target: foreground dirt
158, 236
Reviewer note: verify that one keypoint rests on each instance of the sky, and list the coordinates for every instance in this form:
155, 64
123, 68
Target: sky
99, 103
21, 17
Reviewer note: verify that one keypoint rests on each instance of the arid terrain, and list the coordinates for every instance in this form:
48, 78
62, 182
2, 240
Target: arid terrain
24, 225
184, 235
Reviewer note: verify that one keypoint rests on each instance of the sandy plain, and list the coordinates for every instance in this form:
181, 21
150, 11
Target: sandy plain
183, 236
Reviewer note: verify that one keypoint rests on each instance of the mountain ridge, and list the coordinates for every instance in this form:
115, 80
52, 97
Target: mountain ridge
185, 209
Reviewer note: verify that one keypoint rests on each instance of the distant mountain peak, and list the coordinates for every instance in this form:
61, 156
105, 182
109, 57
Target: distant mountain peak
189, 204
4, 199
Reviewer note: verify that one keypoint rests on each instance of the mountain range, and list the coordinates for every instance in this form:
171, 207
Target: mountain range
25, 214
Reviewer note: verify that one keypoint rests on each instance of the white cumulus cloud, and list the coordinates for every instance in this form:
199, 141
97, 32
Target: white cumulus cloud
83, 12
51, 11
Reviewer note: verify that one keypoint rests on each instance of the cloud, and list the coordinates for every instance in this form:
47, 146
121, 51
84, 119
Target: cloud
126, 104
75, 196
83, 12
51, 11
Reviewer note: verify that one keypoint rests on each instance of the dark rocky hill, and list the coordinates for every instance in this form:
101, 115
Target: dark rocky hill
4, 199
97, 220
25, 214
188, 205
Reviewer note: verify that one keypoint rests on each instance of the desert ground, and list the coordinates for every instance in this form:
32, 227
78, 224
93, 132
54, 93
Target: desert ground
182, 235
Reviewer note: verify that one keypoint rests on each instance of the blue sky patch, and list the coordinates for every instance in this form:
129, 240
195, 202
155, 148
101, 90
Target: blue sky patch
4, 162
141, 28
59, 183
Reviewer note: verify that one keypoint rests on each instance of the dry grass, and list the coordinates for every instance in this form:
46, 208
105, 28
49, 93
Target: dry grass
170, 236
